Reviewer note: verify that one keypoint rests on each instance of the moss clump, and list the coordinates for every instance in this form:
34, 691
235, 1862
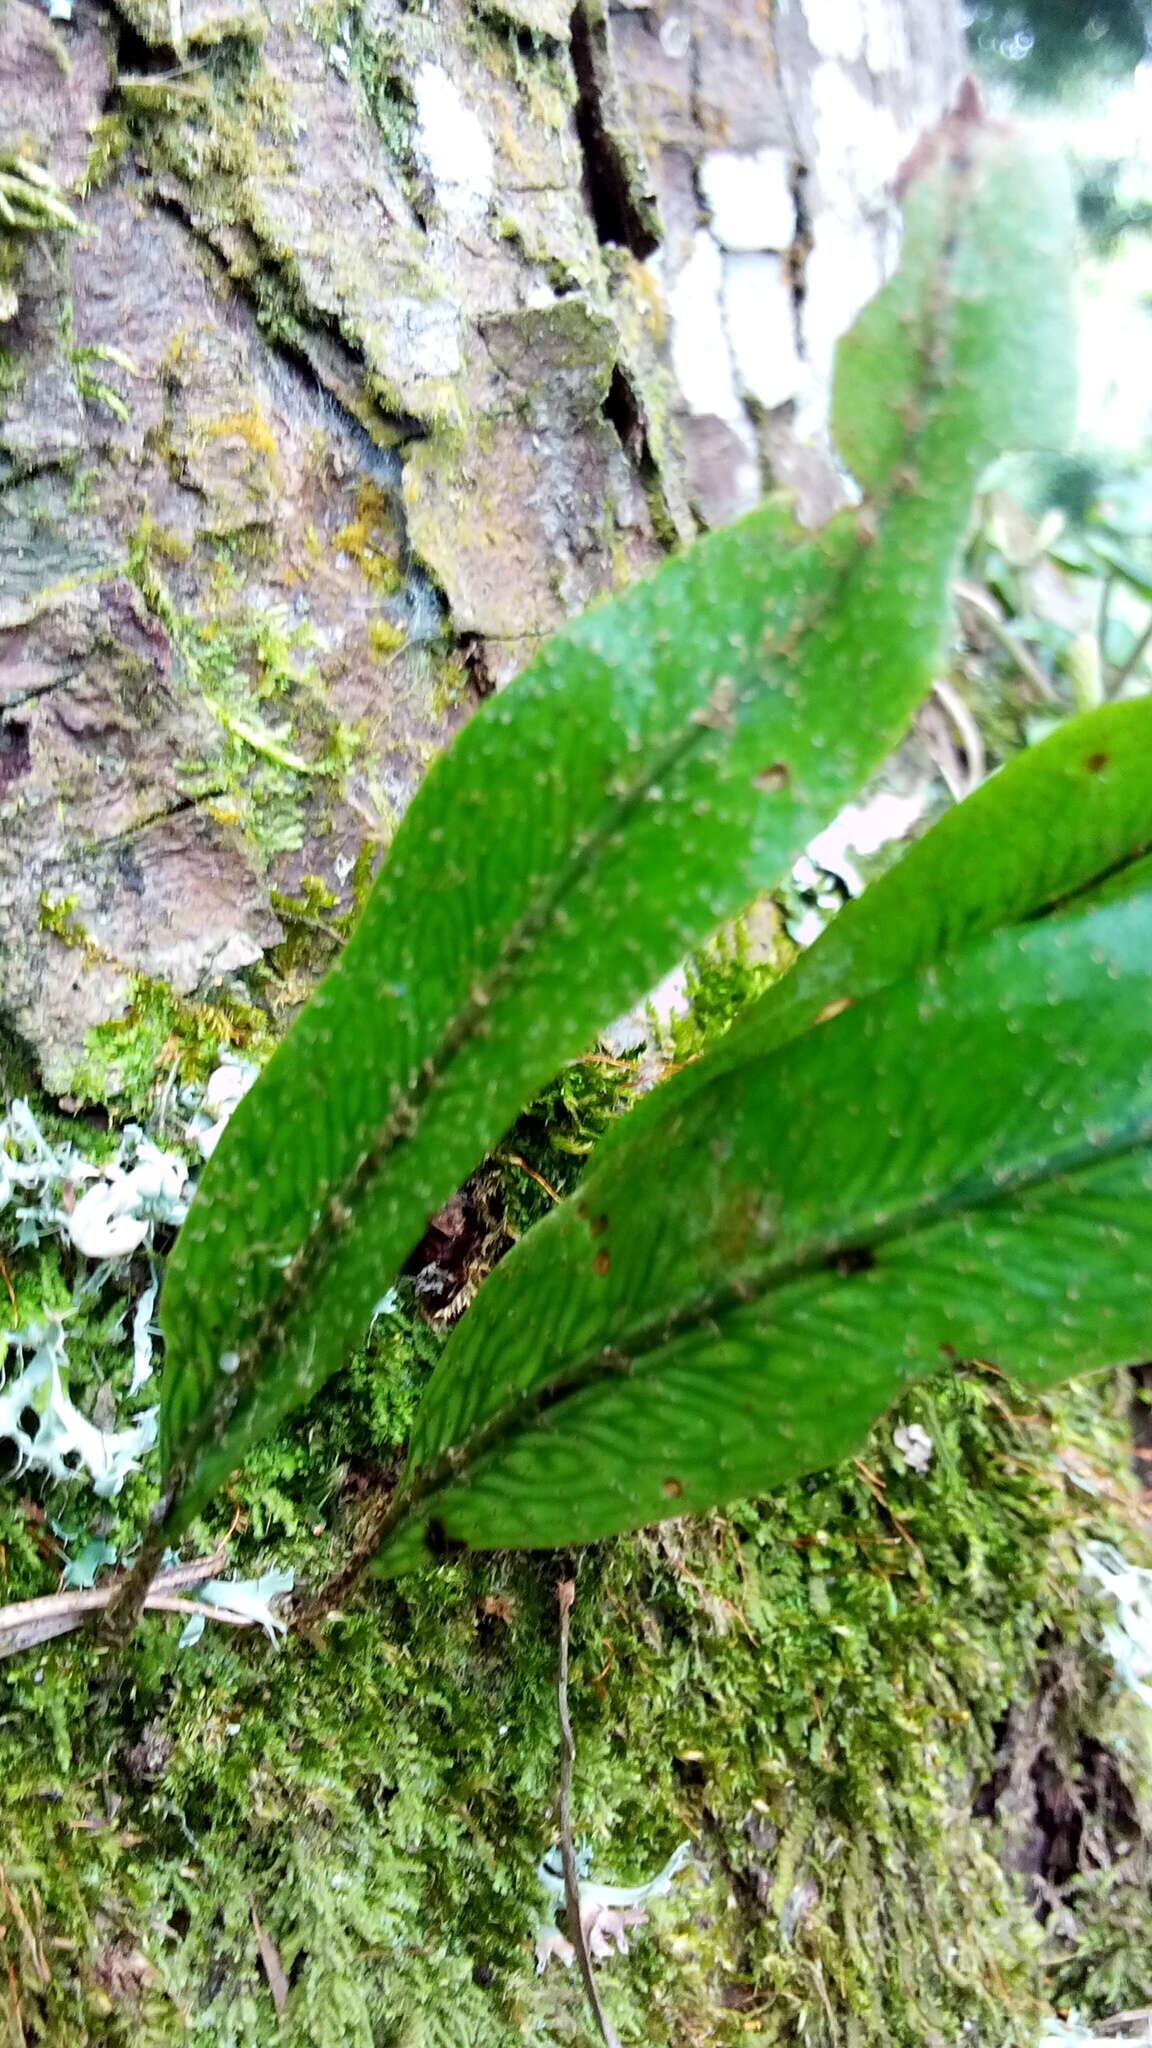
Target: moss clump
250, 426
313, 936
31, 202
372, 538
809, 1688
722, 978
150, 551
384, 638
280, 738
57, 914
109, 145
127, 1060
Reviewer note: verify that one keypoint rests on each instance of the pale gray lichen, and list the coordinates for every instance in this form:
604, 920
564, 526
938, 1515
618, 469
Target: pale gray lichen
249, 1600
126, 1197
607, 1911
225, 1087
1070, 2034
47, 1430
1127, 1639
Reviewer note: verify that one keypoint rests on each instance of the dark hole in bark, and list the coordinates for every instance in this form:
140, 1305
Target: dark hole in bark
15, 755
137, 58
622, 410
606, 181
474, 655
1142, 1423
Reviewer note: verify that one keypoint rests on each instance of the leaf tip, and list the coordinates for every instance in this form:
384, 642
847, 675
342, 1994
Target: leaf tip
951, 136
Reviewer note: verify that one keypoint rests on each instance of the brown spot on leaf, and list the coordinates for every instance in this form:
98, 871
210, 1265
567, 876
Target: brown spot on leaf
671, 1489
597, 1225
775, 777
719, 712
601, 1262
833, 1009
1095, 762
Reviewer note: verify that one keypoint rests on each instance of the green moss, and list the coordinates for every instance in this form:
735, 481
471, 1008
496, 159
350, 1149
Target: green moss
281, 744
373, 540
806, 1689
809, 1688
384, 638
312, 935
250, 426
148, 553
13, 368
280, 741
127, 1060
109, 144
449, 684
58, 915
720, 980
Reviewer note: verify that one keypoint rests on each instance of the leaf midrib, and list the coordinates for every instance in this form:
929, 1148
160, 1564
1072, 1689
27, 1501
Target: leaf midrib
318, 1246
651, 1337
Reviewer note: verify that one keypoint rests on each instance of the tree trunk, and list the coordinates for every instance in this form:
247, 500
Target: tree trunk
389, 339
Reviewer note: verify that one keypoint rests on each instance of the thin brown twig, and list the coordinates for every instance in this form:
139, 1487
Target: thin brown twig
11, 1292
171, 1603
875, 1487
967, 728
20, 2037
565, 1594
1121, 674
273, 1967
983, 602
514, 1159
24, 1925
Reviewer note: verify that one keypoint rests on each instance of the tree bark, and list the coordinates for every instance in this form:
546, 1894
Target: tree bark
388, 341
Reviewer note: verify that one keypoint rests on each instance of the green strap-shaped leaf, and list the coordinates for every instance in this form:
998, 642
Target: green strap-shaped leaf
959, 1166
661, 761
1055, 822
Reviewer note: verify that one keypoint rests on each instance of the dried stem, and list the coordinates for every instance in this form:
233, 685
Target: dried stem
1126, 668
28, 1622
566, 1593
984, 603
